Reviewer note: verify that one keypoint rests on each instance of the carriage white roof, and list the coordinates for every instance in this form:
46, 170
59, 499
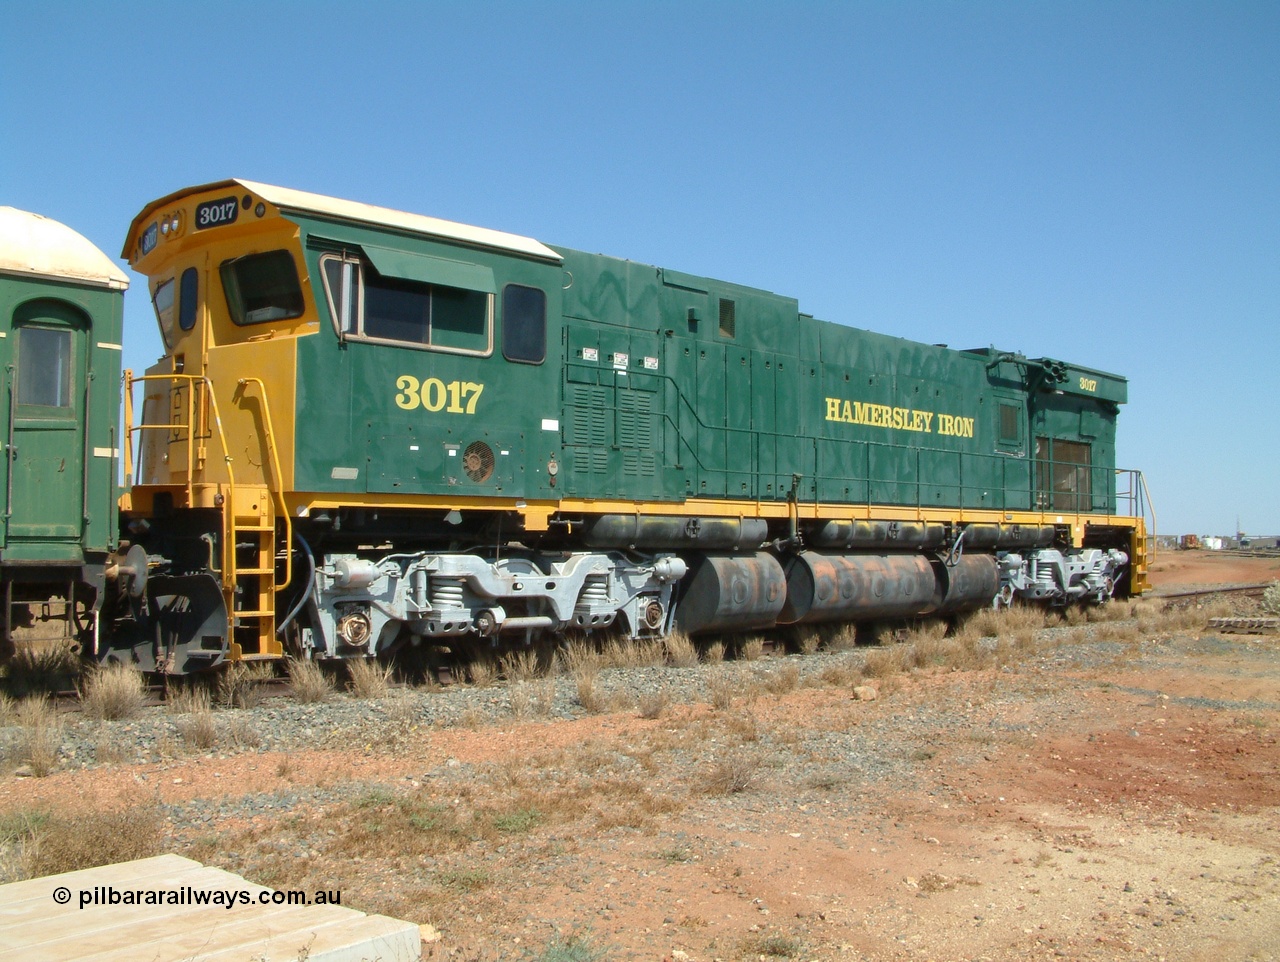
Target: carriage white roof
39, 247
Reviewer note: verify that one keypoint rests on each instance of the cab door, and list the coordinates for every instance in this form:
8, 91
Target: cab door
46, 408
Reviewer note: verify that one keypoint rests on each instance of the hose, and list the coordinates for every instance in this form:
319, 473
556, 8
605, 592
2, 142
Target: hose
310, 582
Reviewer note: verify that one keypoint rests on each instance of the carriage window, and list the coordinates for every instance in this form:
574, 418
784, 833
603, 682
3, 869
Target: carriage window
44, 367
524, 324
188, 299
162, 301
262, 287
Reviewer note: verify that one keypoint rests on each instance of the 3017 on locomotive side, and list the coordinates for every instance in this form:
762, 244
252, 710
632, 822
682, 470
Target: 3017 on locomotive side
374, 429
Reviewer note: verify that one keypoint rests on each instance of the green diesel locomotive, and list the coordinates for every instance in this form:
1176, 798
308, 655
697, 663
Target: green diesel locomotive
373, 429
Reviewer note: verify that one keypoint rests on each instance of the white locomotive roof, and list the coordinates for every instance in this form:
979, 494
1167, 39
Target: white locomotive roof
287, 198
40, 247
301, 200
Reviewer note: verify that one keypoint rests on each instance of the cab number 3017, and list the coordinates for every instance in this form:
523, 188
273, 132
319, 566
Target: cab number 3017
453, 397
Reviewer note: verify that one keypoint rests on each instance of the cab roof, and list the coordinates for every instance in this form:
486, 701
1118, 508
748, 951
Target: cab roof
37, 246
301, 201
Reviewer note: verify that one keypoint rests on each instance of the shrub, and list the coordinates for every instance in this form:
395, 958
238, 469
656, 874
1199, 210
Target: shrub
42, 669
113, 693
309, 683
41, 737
653, 704
734, 773
722, 686
482, 672
243, 685
368, 679
1271, 599
681, 651
198, 728
66, 844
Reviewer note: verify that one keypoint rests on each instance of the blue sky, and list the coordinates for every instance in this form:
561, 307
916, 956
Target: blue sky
1097, 182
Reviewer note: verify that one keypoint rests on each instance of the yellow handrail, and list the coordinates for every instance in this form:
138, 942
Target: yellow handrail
228, 544
277, 490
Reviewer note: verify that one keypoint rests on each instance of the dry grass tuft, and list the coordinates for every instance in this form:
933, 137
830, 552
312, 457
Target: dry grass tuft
41, 735
243, 685
652, 705
642, 653
578, 656
841, 674
723, 685
530, 698
197, 727
520, 666
482, 672
751, 649
308, 682
780, 680
1271, 598
368, 678
113, 693
808, 640
884, 662
713, 654
733, 774
182, 701
42, 669
680, 649
54, 844
588, 694
771, 946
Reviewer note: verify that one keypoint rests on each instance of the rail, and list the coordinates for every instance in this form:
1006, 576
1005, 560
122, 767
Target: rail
228, 544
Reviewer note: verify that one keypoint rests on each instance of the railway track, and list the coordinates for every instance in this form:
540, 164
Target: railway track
1247, 590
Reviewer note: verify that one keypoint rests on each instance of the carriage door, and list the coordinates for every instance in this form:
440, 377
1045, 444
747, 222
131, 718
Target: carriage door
45, 489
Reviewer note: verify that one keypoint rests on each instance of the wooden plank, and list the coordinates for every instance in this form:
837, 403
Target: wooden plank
34, 927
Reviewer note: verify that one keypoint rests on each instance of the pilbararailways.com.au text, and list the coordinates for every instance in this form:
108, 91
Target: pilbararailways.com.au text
108, 895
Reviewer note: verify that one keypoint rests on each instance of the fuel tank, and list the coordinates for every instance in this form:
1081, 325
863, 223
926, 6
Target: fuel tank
1008, 536
971, 583
723, 593
655, 534
887, 535
832, 587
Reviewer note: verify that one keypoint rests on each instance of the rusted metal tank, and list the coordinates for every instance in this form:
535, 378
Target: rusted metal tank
654, 534
888, 535
830, 587
972, 582
723, 593
1008, 536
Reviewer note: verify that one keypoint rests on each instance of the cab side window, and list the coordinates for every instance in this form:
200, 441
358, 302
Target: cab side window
524, 324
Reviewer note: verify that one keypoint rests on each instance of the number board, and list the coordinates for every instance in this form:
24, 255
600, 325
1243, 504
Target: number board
149, 237
217, 213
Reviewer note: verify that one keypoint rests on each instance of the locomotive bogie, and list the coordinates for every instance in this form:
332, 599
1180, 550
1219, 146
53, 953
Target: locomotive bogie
367, 607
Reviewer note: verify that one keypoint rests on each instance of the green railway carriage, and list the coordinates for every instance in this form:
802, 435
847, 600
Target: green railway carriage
61, 310
373, 428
